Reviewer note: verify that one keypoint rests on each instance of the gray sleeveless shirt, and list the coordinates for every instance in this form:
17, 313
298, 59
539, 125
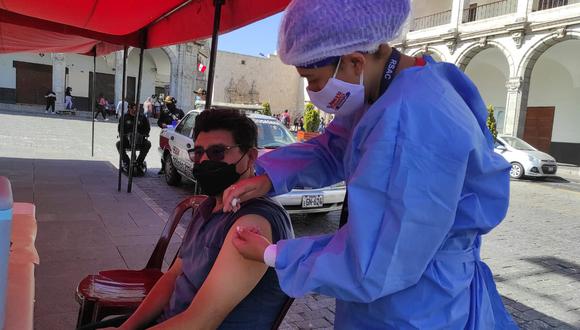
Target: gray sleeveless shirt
199, 250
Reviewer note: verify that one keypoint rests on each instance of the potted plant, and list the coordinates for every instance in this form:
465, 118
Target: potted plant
311, 123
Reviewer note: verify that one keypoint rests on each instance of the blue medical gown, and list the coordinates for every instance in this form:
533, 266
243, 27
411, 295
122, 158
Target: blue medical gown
424, 184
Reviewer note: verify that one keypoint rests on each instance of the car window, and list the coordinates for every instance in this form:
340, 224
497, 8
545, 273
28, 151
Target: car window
271, 134
517, 143
498, 143
186, 125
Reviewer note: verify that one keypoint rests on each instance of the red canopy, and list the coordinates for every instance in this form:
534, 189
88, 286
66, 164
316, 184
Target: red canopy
65, 26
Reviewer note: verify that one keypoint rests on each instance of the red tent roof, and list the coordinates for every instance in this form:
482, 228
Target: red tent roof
62, 26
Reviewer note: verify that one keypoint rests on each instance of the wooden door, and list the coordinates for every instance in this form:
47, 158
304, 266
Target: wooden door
539, 124
33, 81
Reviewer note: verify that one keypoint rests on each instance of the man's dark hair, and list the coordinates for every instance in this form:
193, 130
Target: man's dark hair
243, 129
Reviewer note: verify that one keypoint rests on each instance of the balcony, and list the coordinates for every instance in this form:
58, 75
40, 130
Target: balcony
430, 21
549, 4
499, 8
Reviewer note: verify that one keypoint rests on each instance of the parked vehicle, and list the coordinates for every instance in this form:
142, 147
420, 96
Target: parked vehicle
175, 142
525, 159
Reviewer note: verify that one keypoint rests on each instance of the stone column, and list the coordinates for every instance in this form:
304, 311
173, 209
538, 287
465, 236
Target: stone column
186, 62
58, 78
524, 8
401, 39
457, 9
516, 106
118, 76
173, 78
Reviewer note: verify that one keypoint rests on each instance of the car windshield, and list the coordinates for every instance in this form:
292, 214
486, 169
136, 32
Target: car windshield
271, 134
517, 143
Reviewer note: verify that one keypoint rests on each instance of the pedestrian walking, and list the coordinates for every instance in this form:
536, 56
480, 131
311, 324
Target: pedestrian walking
101, 105
68, 100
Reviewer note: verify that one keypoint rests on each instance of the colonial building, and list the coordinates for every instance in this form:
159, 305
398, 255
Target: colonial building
239, 79
249, 80
524, 56
26, 77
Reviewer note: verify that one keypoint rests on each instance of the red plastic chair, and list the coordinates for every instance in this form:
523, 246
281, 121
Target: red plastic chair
119, 292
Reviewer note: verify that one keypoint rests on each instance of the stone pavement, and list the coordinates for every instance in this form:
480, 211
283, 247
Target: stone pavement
85, 225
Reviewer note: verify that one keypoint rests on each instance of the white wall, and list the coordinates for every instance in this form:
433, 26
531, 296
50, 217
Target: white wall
79, 67
162, 64
556, 82
8, 71
489, 71
149, 74
429, 7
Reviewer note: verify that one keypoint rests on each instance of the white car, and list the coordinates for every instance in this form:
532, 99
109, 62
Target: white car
174, 144
525, 159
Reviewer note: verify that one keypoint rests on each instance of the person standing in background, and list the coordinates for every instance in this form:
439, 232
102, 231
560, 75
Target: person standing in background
50, 101
148, 108
119, 105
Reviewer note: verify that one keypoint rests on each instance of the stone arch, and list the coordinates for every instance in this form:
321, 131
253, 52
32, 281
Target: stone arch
472, 50
171, 54
531, 56
429, 49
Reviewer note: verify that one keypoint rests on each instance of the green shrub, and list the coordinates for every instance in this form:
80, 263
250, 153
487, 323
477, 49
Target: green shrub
267, 110
491, 125
311, 118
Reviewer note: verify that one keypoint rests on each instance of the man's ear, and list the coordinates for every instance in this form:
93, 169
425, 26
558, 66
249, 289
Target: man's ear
253, 155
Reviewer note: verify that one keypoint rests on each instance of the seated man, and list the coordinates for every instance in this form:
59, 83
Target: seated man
142, 144
210, 285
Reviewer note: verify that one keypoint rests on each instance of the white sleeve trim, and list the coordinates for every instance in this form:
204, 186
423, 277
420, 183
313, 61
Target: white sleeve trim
270, 255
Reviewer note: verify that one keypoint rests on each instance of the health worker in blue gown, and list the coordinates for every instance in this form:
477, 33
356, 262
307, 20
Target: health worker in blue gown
410, 140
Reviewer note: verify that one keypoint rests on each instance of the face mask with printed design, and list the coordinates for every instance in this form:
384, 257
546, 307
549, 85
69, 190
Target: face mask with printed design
338, 97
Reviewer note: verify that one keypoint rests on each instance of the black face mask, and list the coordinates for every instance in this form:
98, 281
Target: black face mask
215, 176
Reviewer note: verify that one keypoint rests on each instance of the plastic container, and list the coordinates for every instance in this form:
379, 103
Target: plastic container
6, 204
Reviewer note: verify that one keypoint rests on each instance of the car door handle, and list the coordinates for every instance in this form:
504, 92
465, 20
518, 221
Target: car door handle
172, 138
188, 146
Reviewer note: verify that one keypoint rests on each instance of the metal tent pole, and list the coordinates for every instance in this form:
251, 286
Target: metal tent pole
212, 57
122, 130
136, 123
94, 100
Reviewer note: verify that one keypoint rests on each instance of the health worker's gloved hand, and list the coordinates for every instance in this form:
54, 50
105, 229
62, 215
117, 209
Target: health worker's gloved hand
245, 190
250, 243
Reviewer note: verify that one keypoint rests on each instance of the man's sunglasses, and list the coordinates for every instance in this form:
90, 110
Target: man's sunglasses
215, 153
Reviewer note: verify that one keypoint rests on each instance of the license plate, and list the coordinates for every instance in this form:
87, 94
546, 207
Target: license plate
312, 201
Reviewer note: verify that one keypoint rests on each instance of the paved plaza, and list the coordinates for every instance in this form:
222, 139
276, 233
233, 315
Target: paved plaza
85, 225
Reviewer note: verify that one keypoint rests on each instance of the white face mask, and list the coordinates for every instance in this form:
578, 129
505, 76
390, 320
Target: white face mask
339, 97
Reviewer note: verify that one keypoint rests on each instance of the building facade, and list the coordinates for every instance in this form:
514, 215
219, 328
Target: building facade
26, 77
239, 79
524, 56
254, 80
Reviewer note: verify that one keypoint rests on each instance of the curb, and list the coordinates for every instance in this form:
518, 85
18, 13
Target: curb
569, 170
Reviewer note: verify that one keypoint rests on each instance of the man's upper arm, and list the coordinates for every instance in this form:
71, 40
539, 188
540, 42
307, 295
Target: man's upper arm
230, 280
